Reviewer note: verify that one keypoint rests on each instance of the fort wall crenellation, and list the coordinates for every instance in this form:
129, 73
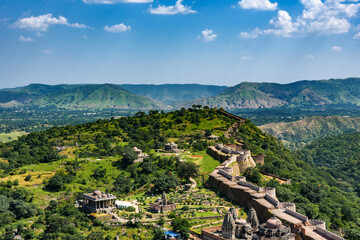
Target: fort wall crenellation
264, 200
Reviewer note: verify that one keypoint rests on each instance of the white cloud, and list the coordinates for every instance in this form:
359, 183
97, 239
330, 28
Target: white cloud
117, 28
283, 25
85, 37
47, 51
207, 35
309, 56
258, 4
252, 34
26, 39
178, 8
318, 17
116, 1
336, 49
247, 58
43, 22
357, 36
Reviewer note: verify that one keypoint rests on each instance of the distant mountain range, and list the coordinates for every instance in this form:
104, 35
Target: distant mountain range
297, 94
299, 133
89, 96
174, 93
246, 95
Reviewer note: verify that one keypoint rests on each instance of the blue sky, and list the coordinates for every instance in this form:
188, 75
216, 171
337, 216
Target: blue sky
221, 42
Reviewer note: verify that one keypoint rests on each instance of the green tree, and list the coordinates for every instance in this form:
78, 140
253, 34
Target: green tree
161, 221
164, 182
123, 184
182, 226
158, 234
186, 170
253, 175
128, 155
55, 183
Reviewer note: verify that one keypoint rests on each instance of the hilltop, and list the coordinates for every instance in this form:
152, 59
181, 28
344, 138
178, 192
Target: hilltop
299, 133
63, 162
301, 94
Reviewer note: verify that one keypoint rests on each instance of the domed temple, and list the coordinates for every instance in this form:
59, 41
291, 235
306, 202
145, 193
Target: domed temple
234, 228
98, 202
162, 205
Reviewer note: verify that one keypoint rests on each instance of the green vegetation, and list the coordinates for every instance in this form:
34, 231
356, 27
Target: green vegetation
299, 133
100, 155
65, 162
338, 156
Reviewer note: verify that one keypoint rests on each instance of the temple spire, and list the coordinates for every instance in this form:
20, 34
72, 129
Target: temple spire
163, 198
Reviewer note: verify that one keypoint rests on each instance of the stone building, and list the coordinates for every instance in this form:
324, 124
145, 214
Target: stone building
162, 205
98, 202
234, 228
172, 147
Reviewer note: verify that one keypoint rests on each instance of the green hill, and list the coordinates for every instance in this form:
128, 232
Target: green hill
105, 96
303, 94
173, 93
339, 156
63, 162
299, 133
87, 96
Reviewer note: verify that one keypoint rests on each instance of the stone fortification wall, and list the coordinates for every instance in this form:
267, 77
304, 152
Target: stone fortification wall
291, 206
272, 200
319, 223
271, 191
226, 174
238, 194
207, 233
297, 215
328, 234
217, 154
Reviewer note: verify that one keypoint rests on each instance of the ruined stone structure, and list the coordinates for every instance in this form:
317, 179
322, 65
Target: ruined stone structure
172, 147
213, 137
98, 202
162, 205
140, 155
241, 156
264, 201
236, 229
259, 159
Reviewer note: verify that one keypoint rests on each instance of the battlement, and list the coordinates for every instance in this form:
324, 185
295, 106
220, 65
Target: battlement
264, 199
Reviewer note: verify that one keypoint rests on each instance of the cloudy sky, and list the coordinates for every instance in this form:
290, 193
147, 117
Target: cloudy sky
221, 42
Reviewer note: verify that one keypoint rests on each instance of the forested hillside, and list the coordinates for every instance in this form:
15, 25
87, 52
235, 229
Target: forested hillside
63, 162
339, 156
297, 134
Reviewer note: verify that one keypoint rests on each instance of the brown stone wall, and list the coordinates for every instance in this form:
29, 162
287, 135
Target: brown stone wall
240, 196
217, 154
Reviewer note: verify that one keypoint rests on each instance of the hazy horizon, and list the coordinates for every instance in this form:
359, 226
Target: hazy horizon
177, 41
